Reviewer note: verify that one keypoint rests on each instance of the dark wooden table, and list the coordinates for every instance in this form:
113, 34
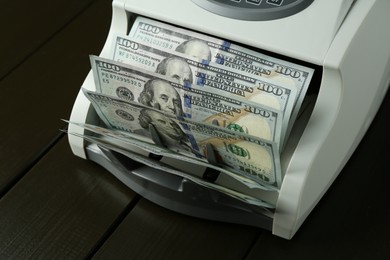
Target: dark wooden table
54, 205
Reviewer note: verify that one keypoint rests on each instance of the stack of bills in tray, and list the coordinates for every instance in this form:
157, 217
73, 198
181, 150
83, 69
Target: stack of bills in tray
198, 99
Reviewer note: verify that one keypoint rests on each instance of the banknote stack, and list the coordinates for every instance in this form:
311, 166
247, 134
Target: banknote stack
180, 94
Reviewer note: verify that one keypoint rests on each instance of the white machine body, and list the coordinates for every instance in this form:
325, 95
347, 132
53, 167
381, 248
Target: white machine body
348, 40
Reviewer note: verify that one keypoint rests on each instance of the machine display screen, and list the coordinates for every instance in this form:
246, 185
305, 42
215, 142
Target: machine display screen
254, 9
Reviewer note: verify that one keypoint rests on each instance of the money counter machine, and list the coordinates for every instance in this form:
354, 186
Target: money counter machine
345, 42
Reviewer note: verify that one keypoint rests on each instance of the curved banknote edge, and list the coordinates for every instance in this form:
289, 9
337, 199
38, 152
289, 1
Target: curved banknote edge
213, 77
167, 168
128, 140
191, 101
245, 155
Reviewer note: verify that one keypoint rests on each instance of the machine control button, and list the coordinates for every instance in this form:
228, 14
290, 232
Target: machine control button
254, 2
275, 2
237, 1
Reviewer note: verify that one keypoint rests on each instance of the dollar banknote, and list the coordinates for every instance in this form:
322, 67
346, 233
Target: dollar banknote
213, 77
174, 38
190, 101
160, 166
253, 158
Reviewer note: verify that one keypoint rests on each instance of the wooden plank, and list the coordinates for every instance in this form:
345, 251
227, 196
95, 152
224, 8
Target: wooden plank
42, 91
151, 232
352, 219
61, 209
27, 25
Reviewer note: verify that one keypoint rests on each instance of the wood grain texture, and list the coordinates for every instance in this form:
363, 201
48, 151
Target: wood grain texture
61, 209
41, 91
27, 25
151, 232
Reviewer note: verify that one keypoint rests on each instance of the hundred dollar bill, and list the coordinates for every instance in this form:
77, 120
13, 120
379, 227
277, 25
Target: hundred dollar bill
130, 141
254, 158
167, 168
190, 101
211, 76
223, 52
